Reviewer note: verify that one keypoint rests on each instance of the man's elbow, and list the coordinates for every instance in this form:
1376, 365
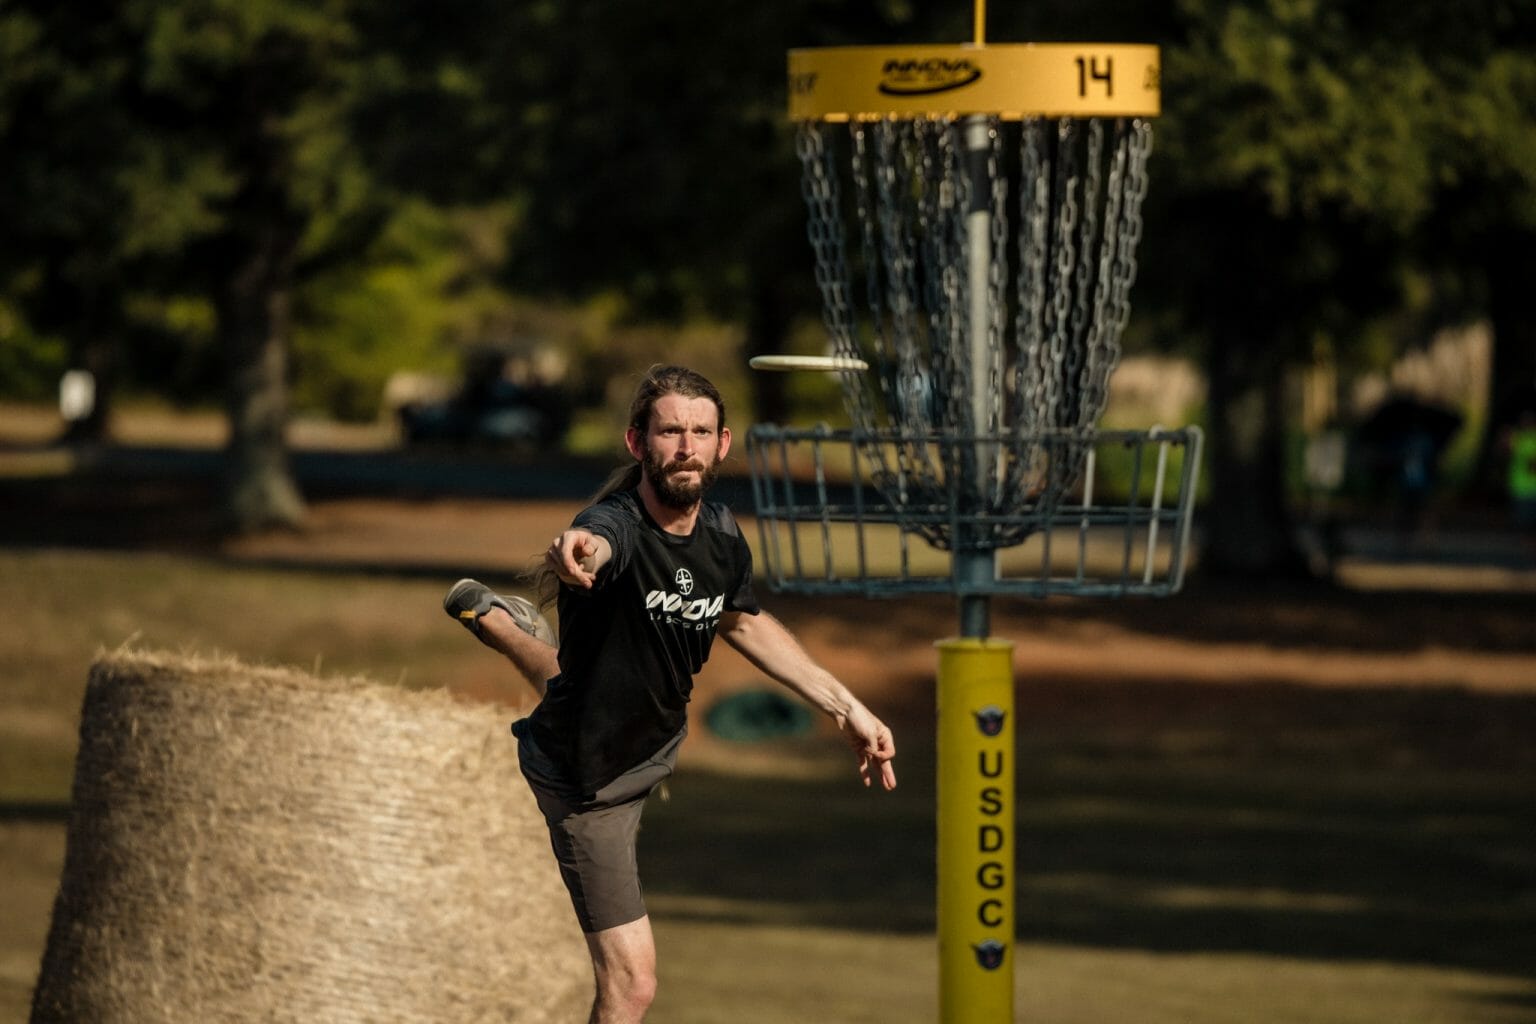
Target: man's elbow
736, 628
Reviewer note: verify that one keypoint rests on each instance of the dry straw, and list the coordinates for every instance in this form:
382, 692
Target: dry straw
257, 844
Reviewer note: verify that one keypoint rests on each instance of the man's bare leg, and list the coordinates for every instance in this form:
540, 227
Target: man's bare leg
510, 626
534, 658
624, 961
624, 956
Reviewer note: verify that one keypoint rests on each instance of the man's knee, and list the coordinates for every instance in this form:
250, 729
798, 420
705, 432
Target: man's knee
640, 989
629, 989
624, 959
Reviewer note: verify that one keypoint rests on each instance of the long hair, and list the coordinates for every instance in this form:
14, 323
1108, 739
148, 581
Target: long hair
659, 381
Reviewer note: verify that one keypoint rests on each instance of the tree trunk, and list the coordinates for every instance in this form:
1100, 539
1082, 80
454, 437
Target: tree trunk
254, 322
1247, 525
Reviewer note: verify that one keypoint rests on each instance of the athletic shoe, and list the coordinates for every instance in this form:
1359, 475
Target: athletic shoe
467, 600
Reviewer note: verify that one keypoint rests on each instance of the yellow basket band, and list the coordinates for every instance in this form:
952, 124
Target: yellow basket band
1011, 81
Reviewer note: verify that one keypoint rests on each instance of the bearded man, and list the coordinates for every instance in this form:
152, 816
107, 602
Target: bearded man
647, 576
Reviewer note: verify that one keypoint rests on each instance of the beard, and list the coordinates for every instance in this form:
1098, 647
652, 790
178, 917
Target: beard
671, 491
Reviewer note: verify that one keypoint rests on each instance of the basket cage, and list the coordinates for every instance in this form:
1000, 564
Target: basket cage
1110, 513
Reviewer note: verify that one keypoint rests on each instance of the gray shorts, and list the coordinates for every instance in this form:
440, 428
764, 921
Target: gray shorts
593, 835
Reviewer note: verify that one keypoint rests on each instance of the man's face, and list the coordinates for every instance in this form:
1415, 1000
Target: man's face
682, 449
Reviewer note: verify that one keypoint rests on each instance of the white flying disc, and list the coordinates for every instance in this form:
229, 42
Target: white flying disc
834, 364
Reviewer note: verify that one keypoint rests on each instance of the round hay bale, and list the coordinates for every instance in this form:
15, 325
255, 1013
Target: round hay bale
257, 844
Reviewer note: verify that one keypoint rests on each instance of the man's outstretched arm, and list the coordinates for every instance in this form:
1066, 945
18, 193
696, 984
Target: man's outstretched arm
765, 642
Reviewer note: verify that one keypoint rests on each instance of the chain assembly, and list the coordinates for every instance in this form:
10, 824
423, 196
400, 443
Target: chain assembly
991, 412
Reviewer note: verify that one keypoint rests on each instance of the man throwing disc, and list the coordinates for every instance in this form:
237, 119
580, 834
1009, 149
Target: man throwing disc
648, 575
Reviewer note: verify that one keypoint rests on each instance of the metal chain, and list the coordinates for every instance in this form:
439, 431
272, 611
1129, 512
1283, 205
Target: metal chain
825, 229
1139, 147
1078, 223
997, 308
1103, 339
818, 186
857, 392
946, 189
929, 171
899, 220
892, 182
945, 271
955, 356
863, 207
1058, 371
997, 279
1081, 361
1034, 200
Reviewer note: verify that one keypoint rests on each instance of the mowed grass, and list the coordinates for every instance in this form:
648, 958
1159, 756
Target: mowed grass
1199, 853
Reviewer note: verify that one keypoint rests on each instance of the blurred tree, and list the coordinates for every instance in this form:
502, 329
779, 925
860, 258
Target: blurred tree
196, 147
1481, 234
1313, 155
61, 136
659, 164
1291, 166
416, 298
177, 170
258, 93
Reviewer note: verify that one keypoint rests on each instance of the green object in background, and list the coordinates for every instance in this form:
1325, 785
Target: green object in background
758, 715
1522, 465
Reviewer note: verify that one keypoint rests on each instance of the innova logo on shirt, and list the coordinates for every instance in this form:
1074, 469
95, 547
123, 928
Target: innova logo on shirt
674, 607
684, 581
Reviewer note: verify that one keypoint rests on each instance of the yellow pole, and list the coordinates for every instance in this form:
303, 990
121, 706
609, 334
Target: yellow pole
981, 22
976, 823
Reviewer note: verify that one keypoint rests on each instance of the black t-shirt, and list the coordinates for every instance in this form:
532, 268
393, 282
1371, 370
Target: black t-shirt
629, 647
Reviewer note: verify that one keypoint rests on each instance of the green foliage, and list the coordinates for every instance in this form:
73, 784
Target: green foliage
1127, 475
174, 344
30, 364
1346, 145
1490, 133
1290, 161
657, 153
1291, 103
250, 103
423, 291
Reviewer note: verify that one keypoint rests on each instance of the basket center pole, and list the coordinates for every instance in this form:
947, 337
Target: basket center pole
974, 567
975, 680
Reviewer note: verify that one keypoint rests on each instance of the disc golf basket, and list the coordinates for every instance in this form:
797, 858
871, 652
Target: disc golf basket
974, 214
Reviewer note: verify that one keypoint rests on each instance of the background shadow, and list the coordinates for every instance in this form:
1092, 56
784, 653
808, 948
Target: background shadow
1365, 825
